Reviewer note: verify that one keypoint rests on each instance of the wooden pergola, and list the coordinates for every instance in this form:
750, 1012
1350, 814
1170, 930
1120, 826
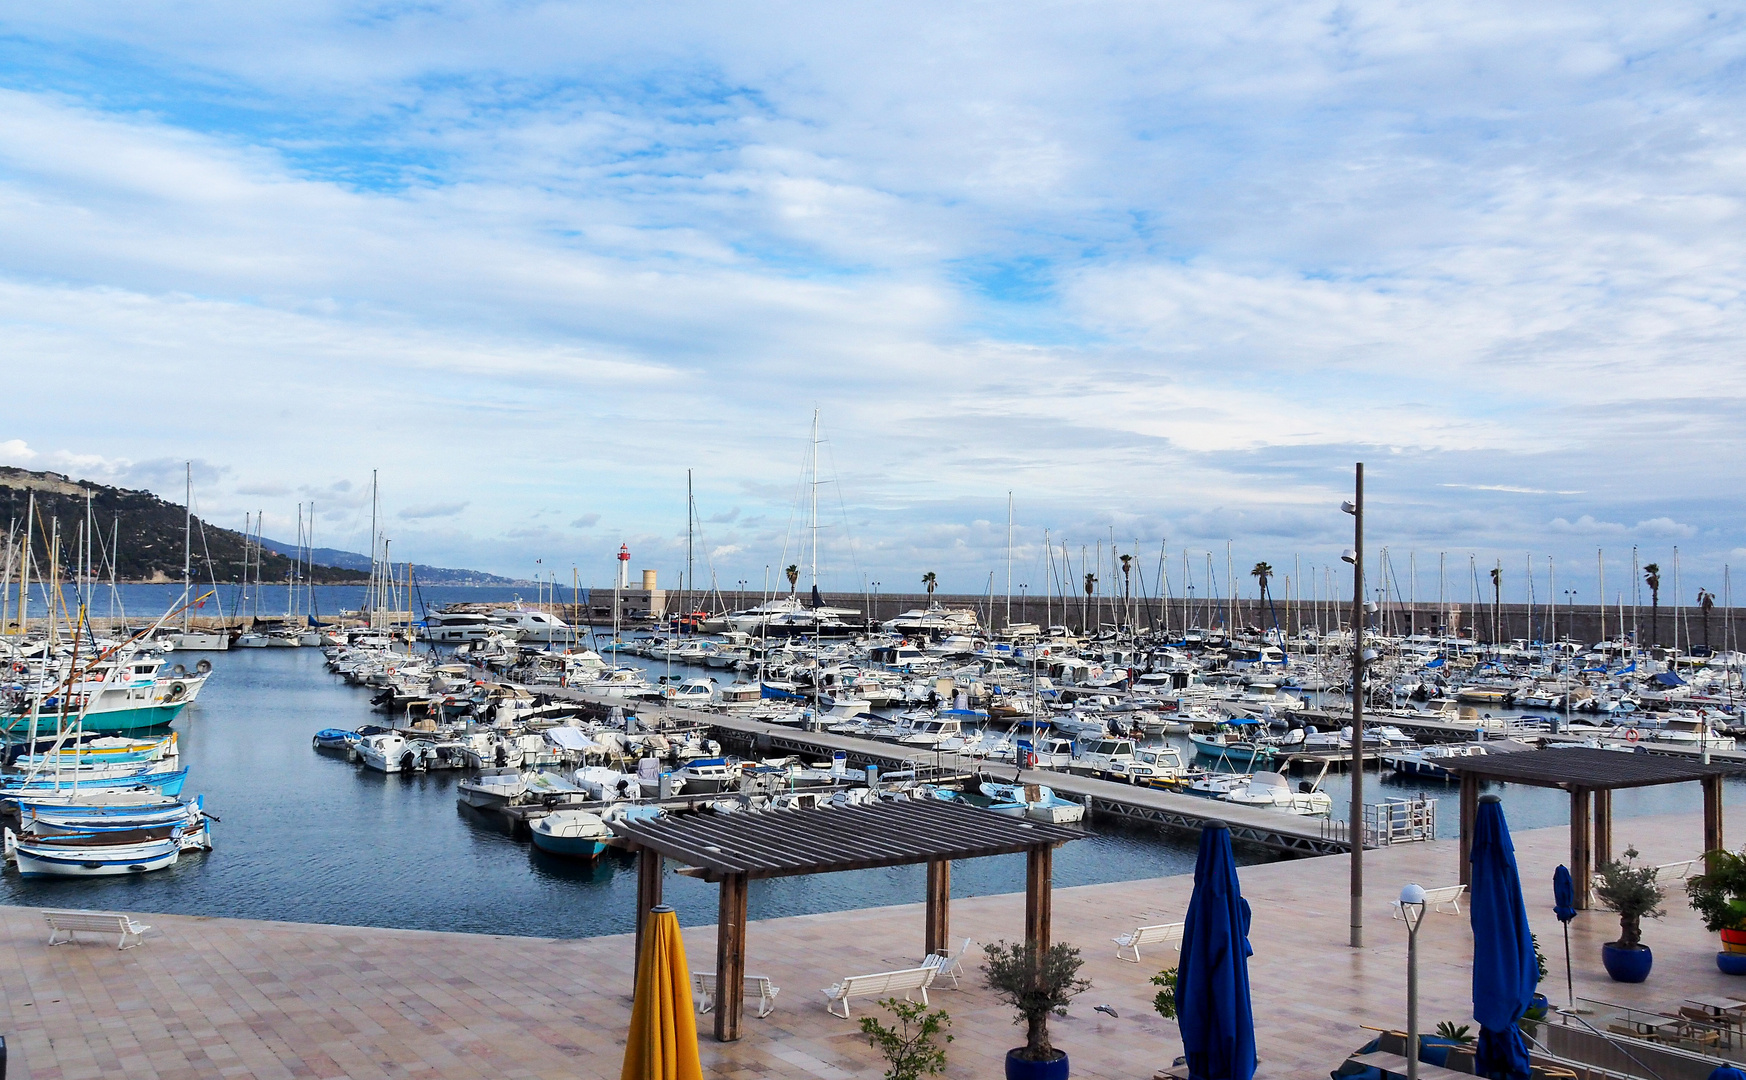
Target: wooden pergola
1591, 777
733, 848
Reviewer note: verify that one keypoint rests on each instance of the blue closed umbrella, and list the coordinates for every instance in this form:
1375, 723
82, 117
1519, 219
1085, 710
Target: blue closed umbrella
1504, 969
1564, 906
1212, 977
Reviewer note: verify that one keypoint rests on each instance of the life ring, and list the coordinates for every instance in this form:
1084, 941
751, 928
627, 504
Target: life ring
1631, 735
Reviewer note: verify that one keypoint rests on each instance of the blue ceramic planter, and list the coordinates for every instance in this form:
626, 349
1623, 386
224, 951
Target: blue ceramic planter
1019, 1069
1627, 965
1731, 963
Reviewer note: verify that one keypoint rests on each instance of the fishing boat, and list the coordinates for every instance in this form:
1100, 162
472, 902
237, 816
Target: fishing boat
575, 834
88, 815
1227, 745
47, 787
96, 855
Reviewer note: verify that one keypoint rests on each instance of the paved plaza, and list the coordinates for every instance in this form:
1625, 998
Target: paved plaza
235, 998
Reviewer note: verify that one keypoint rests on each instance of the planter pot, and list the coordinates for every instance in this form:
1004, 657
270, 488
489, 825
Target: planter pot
1627, 965
1731, 963
1017, 1068
1734, 941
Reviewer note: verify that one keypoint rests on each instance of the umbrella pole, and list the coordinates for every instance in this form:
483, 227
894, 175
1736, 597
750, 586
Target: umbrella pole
1569, 978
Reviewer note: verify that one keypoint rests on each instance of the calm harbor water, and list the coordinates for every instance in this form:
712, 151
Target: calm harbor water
308, 837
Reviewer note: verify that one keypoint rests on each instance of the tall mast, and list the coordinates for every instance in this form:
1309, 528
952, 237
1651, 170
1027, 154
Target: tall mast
1600, 575
373, 594
1009, 560
815, 507
188, 542
24, 573
690, 516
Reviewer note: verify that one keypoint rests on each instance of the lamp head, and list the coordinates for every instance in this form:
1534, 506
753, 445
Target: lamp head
1349, 507
1412, 893
1349, 556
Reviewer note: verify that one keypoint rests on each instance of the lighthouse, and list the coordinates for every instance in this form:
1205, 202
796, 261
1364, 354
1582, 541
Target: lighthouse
624, 566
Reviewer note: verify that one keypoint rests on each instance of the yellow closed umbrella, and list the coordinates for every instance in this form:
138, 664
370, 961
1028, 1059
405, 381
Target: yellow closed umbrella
663, 1034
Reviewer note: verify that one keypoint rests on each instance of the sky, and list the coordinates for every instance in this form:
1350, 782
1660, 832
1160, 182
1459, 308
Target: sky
1163, 273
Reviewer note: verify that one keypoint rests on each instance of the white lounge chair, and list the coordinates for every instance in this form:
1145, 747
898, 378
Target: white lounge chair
952, 963
1446, 898
703, 984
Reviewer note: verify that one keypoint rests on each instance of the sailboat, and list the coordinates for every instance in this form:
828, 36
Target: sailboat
190, 639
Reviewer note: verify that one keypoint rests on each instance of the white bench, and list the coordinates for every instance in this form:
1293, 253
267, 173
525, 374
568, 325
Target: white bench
1446, 899
1161, 934
96, 922
703, 982
908, 980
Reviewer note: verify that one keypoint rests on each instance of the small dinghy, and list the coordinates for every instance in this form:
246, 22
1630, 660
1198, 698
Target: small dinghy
574, 834
493, 787
135, 851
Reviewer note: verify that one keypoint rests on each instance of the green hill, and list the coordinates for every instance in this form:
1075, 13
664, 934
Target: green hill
147, 532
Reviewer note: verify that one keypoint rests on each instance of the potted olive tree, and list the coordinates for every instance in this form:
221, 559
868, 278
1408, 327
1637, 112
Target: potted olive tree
1719, 895
1631, 891
1034, 986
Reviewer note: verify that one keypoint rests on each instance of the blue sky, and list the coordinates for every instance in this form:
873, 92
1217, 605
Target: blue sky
1159, 271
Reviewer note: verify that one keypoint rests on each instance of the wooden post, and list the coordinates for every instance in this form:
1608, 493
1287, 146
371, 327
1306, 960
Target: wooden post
1712, 814
1603, 827
939, 928
648, 894
730, 958
1039, 898
1581, 870
1469, 814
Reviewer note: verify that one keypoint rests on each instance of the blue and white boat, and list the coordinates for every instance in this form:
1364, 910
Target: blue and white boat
574, 834
106, 855
46, 788
86, 815
334, 739
1040, 803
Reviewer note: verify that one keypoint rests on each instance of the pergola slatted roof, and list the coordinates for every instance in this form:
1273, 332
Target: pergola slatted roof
1583, 767
782, 843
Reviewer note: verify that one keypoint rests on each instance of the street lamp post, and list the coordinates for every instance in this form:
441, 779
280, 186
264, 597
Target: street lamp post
1412, 911
1355, 826
875, 601
1024, 610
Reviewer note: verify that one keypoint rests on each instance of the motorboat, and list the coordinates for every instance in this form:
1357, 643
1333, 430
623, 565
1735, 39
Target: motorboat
493, 787
706, 776
574, 834
390, 752
1272, 791
607, 785
1034, 801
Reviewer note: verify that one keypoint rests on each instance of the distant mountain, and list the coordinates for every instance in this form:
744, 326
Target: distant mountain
146, 532
421, 574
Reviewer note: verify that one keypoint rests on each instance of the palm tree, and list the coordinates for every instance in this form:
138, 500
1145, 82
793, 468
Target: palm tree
1262, 573
793, 573
1652, 578
931, 582
1090, 588
1706, 601
1127, 587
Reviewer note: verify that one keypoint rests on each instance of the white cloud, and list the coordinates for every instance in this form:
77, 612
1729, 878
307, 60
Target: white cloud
432, 510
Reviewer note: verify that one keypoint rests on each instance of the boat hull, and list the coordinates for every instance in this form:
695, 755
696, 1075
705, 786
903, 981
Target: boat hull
570, 847
112, 722
34, 861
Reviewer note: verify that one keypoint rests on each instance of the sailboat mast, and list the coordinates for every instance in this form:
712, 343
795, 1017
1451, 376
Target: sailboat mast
188, 543
1600, 577
690, 516
815, 507
1009, 560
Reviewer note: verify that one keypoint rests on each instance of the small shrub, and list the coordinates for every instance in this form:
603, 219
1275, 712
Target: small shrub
1455, 1033
1632, 891
909, 1047
1034, 987
1165, 1002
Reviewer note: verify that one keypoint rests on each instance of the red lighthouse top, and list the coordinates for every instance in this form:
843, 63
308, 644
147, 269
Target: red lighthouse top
623, 553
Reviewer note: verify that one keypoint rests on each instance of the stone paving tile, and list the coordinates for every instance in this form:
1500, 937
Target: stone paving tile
206, 997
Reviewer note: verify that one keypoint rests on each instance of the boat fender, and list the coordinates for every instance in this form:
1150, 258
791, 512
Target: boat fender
177, 690
203, 667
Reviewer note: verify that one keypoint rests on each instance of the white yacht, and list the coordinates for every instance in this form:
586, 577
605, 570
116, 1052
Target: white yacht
526, 624
457, 626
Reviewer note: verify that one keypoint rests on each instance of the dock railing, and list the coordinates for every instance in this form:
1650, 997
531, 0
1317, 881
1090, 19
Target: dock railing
1392, 821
